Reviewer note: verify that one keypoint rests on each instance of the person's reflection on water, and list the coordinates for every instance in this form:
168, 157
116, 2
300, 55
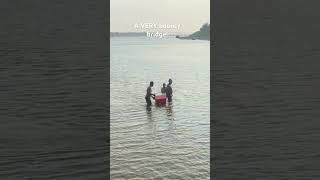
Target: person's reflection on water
149, 112
170, 113
151, 124
171, 118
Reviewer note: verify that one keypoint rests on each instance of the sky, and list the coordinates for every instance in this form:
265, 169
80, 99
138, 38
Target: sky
125, 15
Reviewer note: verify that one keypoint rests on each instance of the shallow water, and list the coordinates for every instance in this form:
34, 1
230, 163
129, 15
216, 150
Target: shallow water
170, 142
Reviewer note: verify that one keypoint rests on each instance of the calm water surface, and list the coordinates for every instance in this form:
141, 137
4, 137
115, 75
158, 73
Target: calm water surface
170, 142
52, 90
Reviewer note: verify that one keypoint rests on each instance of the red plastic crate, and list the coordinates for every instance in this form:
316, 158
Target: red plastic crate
161, 100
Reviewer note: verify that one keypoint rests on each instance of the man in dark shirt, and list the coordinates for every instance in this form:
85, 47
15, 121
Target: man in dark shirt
149, 94
163, 89
169, 91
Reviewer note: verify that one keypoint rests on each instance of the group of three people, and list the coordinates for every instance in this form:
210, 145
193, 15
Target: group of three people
165, 90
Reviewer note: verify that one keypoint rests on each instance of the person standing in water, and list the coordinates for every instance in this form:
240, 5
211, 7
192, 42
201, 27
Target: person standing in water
163, 89
149, 94
169, 91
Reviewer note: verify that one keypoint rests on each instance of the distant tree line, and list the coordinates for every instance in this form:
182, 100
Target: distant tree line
202, 34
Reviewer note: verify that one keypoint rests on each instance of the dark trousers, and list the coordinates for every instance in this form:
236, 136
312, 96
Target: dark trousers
148, 100
169, 98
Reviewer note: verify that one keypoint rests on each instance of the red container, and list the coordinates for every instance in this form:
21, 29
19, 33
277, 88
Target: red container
161, 100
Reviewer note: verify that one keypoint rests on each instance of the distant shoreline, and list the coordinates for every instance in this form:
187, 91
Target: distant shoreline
139, 34
127, 34
202, 34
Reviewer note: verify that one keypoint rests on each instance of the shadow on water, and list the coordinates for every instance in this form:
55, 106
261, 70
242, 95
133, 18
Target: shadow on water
171, 118
170, 113
156, 114
149, 112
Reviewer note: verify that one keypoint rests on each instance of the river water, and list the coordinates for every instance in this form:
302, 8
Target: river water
170, 142
53, 70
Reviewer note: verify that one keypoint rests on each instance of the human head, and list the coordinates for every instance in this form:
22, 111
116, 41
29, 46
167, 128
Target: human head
151, 83
170, 81
164, 84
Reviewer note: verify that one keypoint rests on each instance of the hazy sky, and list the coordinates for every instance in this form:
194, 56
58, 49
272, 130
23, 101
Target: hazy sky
190, 14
